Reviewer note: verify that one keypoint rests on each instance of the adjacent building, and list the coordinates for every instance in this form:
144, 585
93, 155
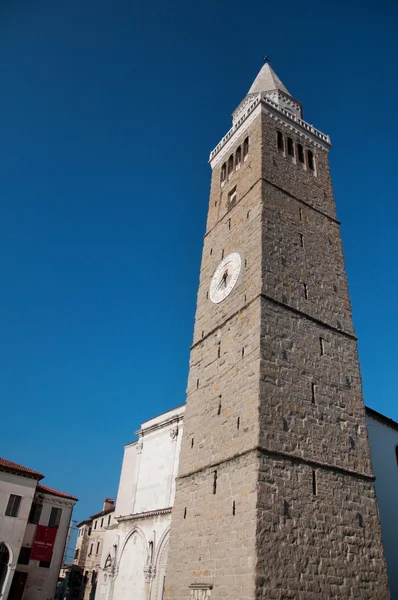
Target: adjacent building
383, 437
34, 523
134, 546
89, 546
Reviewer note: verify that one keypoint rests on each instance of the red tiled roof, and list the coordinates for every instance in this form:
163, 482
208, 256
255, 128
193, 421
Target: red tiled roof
8, 465
48, 490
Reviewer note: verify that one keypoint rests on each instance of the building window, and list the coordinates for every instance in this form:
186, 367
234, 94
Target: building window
300, 153
223, 172
45, 564
230, 164
102, 522
109, 519
91, 549
55, 517
245, 148
311, 163
290, 147
89, 531
232, 196
238, 158
76, 554
95, 524
281, 143
14, 502
98, 546
24, 556
35, 512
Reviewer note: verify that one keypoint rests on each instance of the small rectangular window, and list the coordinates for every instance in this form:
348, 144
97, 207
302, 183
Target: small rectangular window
109, 519
300, 153
89, 531
24, 556
35, 512
98, 547
245, 148
102, 522
281, 145
238, 158
55, 517
45, 564
230, 164
14, 502
232, 196
76, 554
290, 147
311, 164
91, 549
95, 524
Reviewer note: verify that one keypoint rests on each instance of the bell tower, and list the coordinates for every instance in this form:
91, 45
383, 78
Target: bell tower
275, 494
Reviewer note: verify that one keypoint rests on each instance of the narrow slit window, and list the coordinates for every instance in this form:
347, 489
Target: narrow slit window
245, 148
192, 442
305, 291
215, 482
223, 172
238, 158
230, 164
229, 224
300, 214
313, 392
311, 163
197, 383
290, 147
314, 483
300, 153
185, 512
233, 508
281, 143
322, 345
219, 413
219, 350
238, 423
301, 240
243, 352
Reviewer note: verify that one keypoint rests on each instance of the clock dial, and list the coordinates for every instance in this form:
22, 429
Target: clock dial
225, 277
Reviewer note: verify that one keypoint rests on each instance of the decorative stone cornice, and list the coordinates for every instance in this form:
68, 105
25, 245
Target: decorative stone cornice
300, 127
143, 515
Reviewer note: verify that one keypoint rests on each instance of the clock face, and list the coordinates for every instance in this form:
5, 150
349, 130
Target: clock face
225, 277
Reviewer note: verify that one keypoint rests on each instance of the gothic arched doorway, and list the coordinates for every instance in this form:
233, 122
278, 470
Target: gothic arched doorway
4, 560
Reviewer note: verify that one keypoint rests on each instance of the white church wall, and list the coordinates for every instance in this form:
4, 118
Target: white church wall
135, 547
383, 443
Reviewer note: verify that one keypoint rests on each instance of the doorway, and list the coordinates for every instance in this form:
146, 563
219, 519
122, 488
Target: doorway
17, 586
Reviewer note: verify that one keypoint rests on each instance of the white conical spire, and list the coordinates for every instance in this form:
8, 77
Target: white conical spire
266, 81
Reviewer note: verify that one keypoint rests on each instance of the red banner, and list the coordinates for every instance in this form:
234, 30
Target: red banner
43, 544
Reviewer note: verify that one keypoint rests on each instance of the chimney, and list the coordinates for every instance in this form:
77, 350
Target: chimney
108, 504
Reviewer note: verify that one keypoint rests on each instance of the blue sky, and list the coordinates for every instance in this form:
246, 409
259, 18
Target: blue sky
108, 111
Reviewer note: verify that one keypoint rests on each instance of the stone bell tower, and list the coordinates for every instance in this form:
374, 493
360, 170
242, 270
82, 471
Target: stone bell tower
275, 495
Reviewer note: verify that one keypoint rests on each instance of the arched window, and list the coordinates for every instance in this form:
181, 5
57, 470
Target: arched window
300, 153
108, 562
4, 560
238, 158
281, 144
290, 146
245, 148
230, 164
223, 172
311, 164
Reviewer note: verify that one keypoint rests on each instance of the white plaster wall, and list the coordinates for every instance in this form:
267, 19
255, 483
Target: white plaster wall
383, 441
12, 529
147, 485
41, 582
128, 481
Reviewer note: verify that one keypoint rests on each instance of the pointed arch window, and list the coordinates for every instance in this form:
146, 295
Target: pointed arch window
311, 162
281, 142
238, 158
300, 153
223, 173
230, 164
290, 147
108, 562
245, 148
